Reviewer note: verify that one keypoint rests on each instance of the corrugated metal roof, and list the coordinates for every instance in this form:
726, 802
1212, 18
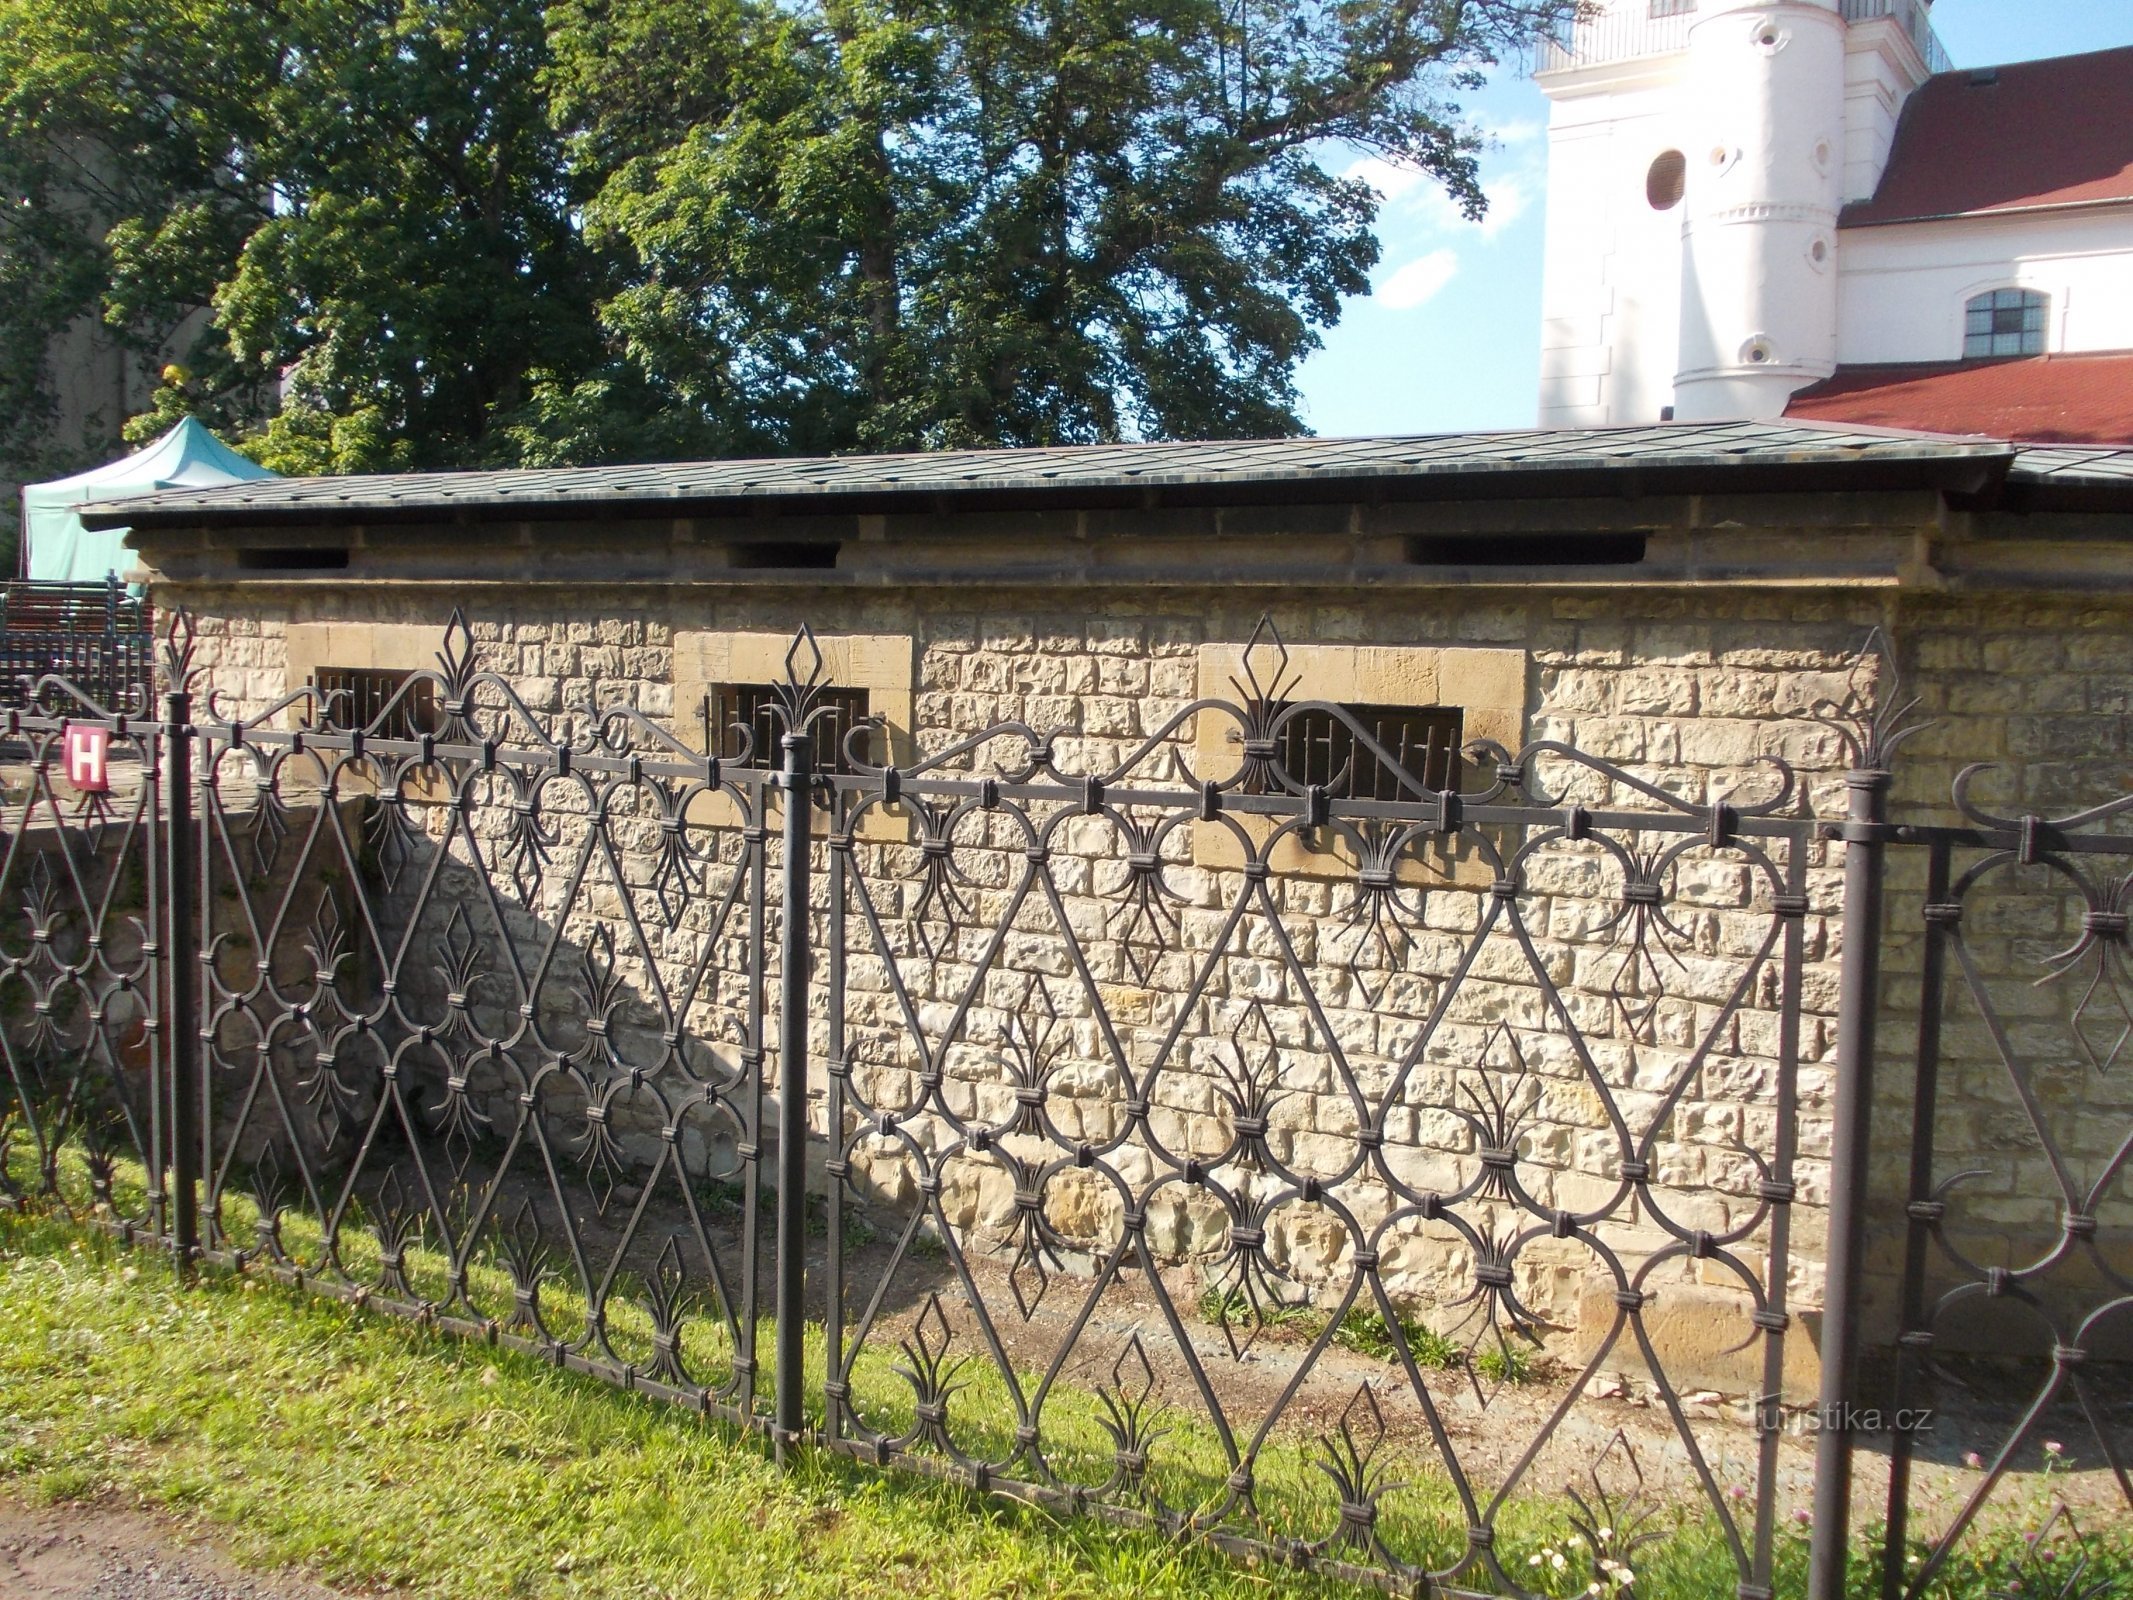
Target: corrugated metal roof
2062, 399
2083, 464
1535, 453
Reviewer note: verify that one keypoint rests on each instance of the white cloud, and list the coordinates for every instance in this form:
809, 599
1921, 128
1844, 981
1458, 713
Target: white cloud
1419, 281
1508, 199
1410, 192
1520, 130
1393, 180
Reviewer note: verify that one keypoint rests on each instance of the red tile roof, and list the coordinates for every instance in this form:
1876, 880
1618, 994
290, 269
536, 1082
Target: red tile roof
2068, 399
2037, 133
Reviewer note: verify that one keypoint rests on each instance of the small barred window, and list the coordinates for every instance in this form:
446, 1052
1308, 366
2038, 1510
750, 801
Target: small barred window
361, 699
1317, 747
754, 707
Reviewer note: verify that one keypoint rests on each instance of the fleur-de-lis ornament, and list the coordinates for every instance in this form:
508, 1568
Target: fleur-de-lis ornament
1131, 1414
1616, 1517
664, 1302
1348, 1457
932, 1376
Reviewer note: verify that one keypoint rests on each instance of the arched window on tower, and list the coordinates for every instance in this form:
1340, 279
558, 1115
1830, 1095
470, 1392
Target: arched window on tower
2006, 322
1667, 180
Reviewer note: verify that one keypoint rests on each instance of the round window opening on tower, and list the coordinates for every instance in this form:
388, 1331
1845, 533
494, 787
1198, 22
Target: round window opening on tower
1664, 184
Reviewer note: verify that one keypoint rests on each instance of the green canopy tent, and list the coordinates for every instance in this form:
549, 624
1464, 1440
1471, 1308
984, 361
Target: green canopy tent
57, 548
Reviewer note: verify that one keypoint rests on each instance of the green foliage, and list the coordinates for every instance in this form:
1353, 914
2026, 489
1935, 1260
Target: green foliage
1367, 1334
1432, 1349
2042, 1552
1364, 1331
857, 1229
347, 220
721, 1199
918, 223
379, 1455
1220, 1305
376, 234
1508, 1362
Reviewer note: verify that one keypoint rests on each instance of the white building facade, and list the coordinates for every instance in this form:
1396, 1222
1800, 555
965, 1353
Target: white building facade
1745, 197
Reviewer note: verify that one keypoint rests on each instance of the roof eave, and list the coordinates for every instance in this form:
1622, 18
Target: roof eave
1955, 468
1846, 219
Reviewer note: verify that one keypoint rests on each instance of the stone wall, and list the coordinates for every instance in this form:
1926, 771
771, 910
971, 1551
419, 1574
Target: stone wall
2036, 691
1693, 690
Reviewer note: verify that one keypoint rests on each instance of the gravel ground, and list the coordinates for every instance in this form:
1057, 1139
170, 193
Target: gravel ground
90, 1552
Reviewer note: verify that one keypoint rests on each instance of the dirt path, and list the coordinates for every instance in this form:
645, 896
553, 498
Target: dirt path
94, 1552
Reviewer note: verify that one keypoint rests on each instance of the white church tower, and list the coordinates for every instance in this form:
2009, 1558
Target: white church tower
1765, 124
1700, 152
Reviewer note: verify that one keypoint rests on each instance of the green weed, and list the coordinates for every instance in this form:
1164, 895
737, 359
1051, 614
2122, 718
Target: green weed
376, 1454
1297, 1319
1509, 1363
1364, 1331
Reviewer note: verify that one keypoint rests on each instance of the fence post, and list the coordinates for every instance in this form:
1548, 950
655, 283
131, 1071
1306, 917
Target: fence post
796, 779
1850, 1153
1940, 917
183, 944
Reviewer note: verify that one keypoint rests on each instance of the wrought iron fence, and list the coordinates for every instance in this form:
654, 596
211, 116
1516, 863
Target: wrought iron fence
96, 637
85, 1102
1196, 1147
463, 1059
1998, 1306
1003, 1095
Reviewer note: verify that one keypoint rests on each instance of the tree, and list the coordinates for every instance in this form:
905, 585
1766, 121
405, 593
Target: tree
346, 220
418, 233
78, 153
911, 223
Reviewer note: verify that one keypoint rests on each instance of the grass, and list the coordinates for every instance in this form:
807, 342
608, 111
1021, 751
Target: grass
1508, 1363
1364, 1332
373, 1453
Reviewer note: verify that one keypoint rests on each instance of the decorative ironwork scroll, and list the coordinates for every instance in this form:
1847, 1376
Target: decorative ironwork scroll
1208, 1147
2018, 1269
1135, 1151
83, 1047
484, 1012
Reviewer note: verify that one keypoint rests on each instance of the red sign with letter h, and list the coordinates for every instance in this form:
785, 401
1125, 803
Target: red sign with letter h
88, 758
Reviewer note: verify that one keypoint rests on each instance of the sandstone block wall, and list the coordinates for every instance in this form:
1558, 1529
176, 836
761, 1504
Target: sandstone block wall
1694, 692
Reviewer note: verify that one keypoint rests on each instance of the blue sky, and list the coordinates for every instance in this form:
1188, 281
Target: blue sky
1450, 337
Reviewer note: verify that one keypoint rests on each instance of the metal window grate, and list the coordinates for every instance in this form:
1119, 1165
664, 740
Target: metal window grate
752, 706
352, 698
2006, 322
1317, 747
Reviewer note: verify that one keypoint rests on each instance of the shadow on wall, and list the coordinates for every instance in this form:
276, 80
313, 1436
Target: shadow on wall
447, 1070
